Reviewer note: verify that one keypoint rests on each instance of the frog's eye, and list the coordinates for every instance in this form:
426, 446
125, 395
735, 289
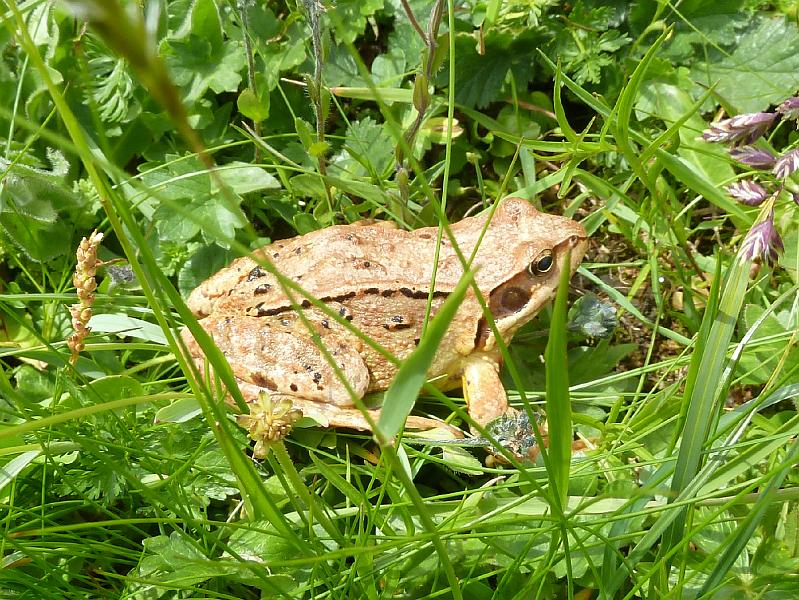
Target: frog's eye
542, 263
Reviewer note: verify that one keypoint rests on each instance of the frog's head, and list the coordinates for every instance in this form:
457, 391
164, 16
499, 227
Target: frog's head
534, 248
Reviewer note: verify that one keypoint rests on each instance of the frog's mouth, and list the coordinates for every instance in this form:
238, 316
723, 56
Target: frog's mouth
519, 299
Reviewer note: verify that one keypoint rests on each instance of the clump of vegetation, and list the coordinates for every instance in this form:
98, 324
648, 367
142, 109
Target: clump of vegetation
190, 132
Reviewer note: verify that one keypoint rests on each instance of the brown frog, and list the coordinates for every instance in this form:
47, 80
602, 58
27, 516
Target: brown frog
379, 279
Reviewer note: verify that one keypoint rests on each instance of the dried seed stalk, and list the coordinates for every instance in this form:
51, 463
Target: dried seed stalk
84, 280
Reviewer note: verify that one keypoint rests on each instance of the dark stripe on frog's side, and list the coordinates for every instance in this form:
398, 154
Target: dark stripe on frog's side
481, 337
407, 292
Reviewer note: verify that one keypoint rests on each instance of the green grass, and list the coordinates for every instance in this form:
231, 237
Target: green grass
203, 133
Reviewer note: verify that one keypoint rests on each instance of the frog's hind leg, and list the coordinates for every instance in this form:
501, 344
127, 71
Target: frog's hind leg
280, 357
352, 418
331, 415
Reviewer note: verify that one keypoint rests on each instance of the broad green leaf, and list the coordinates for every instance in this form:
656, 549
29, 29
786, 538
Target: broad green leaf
480, 76
114, 387
127, 326
461, 460
368, 151
219, 219
669, 101
252, 106
790, 258
36, 209
244, 178
202, 264
388, 69
205, 22
759, 362
179, 411
175, 560
15, 466
260, 541
762, 68
707, 24
352, 14
515, 123
196, 66
198, 207
39, 242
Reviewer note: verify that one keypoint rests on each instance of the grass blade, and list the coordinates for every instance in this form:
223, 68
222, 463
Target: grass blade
401, 395
707, 393
558, 401
735, 543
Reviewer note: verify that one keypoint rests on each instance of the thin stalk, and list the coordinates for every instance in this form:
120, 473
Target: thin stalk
251, 83
421, 93
316, 93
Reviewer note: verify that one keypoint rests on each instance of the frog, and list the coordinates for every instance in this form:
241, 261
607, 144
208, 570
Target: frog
385, 283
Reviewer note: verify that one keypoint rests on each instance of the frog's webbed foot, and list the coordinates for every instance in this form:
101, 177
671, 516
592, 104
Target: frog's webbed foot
514, 431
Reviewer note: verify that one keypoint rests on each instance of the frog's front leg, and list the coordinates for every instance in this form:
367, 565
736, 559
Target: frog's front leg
485, 396
487, 403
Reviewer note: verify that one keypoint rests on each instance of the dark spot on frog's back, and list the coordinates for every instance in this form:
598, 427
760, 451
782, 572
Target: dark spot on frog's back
263, 381
255, 274
396, 323
358, 263
262, 288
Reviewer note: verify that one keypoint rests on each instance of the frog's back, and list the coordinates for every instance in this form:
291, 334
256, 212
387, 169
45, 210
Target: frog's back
343, 260
329, 264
